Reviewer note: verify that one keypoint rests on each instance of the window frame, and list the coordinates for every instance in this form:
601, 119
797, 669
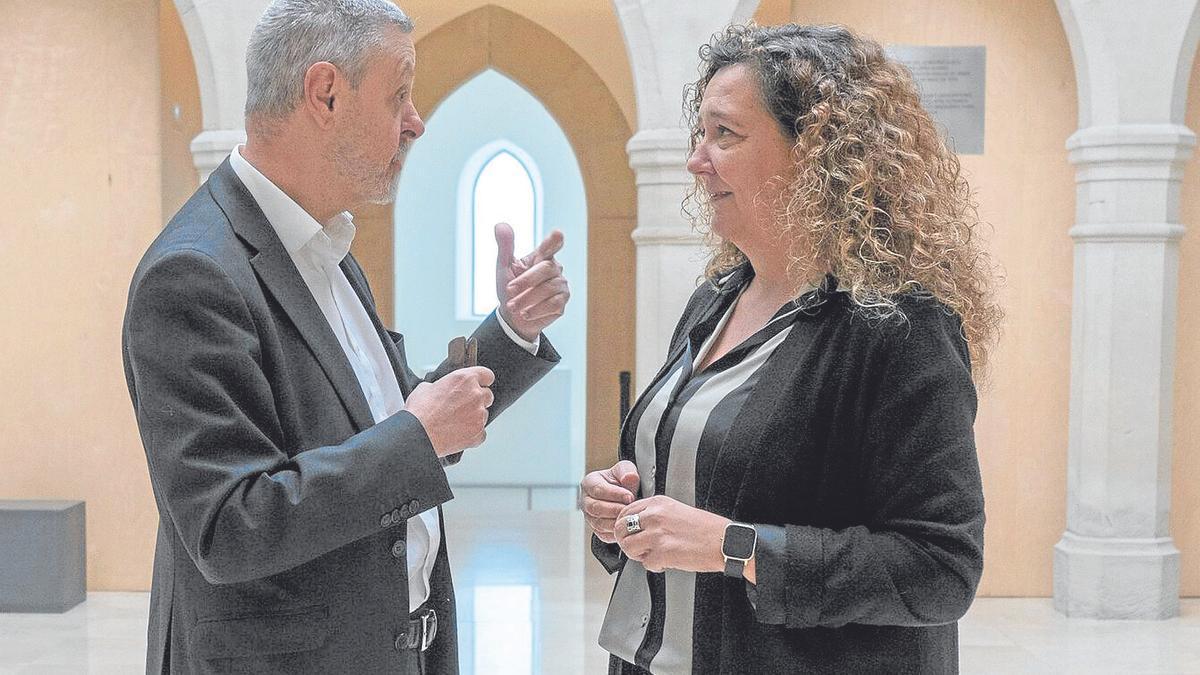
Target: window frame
465, 253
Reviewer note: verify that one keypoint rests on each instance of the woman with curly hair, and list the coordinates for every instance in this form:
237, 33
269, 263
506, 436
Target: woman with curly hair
798, 488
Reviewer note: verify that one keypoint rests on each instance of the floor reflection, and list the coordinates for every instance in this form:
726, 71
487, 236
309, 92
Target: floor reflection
527, 596
531, 600
503, 629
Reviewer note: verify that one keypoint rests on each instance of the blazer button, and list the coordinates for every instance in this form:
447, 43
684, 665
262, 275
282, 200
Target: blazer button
404, 512
414, 506
396, 516
401, 642
399, 548
386, 520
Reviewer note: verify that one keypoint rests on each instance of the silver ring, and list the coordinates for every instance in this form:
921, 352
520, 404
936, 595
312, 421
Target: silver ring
633, 523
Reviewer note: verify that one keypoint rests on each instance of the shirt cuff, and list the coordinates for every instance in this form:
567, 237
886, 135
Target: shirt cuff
531, 347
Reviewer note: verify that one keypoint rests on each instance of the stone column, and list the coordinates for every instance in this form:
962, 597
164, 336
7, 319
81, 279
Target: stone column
1117, 560
662, 39
218, 32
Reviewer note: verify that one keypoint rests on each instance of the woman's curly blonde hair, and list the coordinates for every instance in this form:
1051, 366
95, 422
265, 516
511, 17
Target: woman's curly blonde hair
877, 199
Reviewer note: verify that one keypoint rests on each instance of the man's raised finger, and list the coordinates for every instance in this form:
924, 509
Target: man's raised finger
553, 306
504, 244
528, 300
546, 250
532, 277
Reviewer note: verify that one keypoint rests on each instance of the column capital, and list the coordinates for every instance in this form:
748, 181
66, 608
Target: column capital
211, 147
672, 139
1129, 233
667, 236
1134, 146
659, 156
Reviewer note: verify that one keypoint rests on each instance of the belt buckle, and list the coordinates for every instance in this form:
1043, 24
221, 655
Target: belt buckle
428, 628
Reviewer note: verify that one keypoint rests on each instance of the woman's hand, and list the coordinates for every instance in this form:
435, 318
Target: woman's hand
605, 493
674, 536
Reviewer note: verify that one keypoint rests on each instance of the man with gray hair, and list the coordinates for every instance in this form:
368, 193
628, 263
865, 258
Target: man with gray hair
297, 462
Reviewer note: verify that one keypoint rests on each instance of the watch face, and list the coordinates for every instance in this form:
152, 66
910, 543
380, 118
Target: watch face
739, 541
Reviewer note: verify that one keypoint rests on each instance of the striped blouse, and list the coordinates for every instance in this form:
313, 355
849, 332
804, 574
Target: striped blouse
687, 416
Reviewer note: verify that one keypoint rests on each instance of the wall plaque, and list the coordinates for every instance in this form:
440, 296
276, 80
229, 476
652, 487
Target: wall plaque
952, 82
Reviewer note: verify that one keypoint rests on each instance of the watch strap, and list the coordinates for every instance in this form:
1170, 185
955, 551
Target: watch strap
734, 567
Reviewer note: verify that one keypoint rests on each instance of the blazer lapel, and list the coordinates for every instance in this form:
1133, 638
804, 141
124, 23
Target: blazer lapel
281, 278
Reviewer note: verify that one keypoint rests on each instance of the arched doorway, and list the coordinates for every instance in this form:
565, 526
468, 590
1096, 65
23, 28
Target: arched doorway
492, 152
587, 112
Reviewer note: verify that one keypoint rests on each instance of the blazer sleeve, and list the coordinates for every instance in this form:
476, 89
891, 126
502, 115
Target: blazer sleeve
918, 558
243, 508
516, 370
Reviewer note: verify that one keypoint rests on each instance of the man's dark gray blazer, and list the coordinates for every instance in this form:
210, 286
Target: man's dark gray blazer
282, 505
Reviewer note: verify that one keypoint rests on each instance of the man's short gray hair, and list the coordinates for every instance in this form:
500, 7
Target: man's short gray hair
294, 34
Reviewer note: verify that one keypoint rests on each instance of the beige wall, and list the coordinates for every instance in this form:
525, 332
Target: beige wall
179, 110
103, 160
79, 134
1026, 192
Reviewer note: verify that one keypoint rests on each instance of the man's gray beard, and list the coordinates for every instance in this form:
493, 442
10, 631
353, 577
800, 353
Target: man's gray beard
386, 194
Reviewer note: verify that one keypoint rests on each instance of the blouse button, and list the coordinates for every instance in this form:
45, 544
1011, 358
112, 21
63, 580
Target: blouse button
645, 619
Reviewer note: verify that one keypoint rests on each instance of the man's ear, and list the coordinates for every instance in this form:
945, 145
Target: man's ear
321, 90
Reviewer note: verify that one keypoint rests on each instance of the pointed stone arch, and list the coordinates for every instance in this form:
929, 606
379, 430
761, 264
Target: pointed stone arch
592, 120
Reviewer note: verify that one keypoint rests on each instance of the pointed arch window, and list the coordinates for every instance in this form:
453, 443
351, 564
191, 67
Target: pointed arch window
499, 183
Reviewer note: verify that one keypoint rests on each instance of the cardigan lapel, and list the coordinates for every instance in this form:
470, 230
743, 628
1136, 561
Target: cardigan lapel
625, 441
747, 434
728, 284
280, 277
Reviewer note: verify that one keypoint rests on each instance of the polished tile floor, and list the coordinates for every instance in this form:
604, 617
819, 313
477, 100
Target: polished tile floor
531, 600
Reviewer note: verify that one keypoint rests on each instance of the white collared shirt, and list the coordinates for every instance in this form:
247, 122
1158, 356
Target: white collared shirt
317, 252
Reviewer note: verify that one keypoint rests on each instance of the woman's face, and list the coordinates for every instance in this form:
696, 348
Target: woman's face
742, 160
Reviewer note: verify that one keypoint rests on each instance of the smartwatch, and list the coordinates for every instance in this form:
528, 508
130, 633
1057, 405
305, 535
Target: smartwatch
738, 547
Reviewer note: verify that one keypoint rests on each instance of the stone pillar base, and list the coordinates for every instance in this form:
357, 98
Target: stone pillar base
1112, 578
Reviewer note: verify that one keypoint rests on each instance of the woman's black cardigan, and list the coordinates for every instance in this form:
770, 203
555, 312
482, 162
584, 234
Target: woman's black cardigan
858, 447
